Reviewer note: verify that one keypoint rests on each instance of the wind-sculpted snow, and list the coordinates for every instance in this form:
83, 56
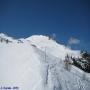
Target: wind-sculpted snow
37, 63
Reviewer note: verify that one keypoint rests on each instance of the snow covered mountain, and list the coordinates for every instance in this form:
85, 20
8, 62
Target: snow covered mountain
37, 63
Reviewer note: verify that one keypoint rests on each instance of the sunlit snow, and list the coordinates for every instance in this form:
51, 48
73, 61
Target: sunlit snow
37, 63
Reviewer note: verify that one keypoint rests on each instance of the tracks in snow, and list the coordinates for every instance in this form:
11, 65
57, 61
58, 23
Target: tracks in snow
55, 77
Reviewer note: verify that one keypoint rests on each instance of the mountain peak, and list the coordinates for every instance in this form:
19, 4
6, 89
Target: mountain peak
38, 37
51, 46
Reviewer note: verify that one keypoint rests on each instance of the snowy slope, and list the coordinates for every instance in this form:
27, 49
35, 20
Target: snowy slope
37, 63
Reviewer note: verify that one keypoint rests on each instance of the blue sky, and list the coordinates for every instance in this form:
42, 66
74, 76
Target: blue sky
65, 18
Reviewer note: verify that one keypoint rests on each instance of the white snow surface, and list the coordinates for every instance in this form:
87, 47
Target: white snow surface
38, 64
